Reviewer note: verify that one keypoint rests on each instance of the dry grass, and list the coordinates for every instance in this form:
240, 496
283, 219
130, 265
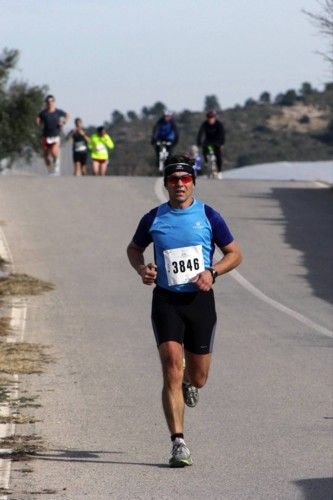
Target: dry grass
5, 326
23, 358
23, 284
24, 402
4, 393
21, 445
3, 262
18, 419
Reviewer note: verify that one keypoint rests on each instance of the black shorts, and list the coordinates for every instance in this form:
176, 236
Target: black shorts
80, 157
187, 318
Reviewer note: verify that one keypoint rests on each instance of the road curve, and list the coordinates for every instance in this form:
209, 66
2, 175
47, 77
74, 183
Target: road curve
261, 430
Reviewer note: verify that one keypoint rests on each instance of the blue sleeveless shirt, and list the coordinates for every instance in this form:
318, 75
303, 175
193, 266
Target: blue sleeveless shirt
181, 228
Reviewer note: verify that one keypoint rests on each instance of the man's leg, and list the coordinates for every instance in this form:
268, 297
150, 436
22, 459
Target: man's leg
55, 153
171, 354
218, 154
157, 156
47, 155
197, 368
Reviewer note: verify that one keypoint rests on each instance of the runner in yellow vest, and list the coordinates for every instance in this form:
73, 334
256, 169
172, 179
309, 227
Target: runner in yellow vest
99, 146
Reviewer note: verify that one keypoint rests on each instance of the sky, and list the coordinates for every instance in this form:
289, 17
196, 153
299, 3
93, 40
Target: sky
102, 55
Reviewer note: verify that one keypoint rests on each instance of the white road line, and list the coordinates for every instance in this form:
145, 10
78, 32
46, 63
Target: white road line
160, 193
17, 314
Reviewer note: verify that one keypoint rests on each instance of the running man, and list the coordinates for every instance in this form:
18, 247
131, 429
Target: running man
52, 119
184, 232
99, 146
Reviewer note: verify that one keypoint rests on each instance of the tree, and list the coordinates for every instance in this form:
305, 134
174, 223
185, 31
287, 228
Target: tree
157, 109
211, 103
132, 116
265, 98
324, 22
306, 89
250, 102
290, 97
287, 99
19, 105
145, 112
117, 117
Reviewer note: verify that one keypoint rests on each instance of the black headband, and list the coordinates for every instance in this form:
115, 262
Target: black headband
178, 167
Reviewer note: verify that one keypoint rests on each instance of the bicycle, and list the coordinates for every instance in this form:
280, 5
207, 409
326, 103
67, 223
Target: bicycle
211, 163
163, 153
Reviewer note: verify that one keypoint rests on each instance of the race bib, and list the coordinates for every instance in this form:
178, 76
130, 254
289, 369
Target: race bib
101, 148
52, 140
183, 264
80, 146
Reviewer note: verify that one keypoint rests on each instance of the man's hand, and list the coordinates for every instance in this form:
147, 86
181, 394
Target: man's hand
148, 273
204, 281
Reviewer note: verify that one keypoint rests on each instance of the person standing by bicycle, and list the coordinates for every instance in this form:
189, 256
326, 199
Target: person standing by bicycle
165, 133
184, 232
212, 134
52, 119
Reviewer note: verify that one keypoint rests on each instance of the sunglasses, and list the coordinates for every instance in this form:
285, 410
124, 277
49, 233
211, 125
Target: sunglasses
173, 180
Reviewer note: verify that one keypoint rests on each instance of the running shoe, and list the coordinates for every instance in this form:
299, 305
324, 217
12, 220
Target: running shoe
191, 394
180, 455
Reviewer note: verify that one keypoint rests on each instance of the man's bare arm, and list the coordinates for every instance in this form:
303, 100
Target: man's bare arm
147, 272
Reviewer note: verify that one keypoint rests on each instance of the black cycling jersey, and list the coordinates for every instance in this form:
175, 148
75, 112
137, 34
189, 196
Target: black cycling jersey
213, 134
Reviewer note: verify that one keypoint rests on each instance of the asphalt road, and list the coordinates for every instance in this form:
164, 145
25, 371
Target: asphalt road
262, 427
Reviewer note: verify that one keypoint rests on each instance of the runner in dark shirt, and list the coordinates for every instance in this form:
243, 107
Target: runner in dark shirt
52, 119
80, 147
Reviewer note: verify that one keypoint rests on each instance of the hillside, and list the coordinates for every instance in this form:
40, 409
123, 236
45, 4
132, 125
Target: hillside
294, 127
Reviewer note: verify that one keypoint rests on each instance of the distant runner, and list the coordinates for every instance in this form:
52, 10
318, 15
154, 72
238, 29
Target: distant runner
184, 232
99, 146
52, 119
80, 148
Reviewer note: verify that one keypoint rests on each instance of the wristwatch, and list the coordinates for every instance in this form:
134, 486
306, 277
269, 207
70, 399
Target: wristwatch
213, 272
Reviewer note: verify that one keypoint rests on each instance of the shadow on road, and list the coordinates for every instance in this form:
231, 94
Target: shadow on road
308, 215
83, 456
316, 488
308, 222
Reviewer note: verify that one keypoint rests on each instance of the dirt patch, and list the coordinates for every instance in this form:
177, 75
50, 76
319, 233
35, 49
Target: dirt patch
292, 118
23, 358
23, 284
5, 326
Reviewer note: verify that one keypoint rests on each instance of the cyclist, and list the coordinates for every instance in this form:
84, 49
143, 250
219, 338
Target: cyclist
212, 133
99, 144
184, 232
80, 147
165, 130
52, 119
